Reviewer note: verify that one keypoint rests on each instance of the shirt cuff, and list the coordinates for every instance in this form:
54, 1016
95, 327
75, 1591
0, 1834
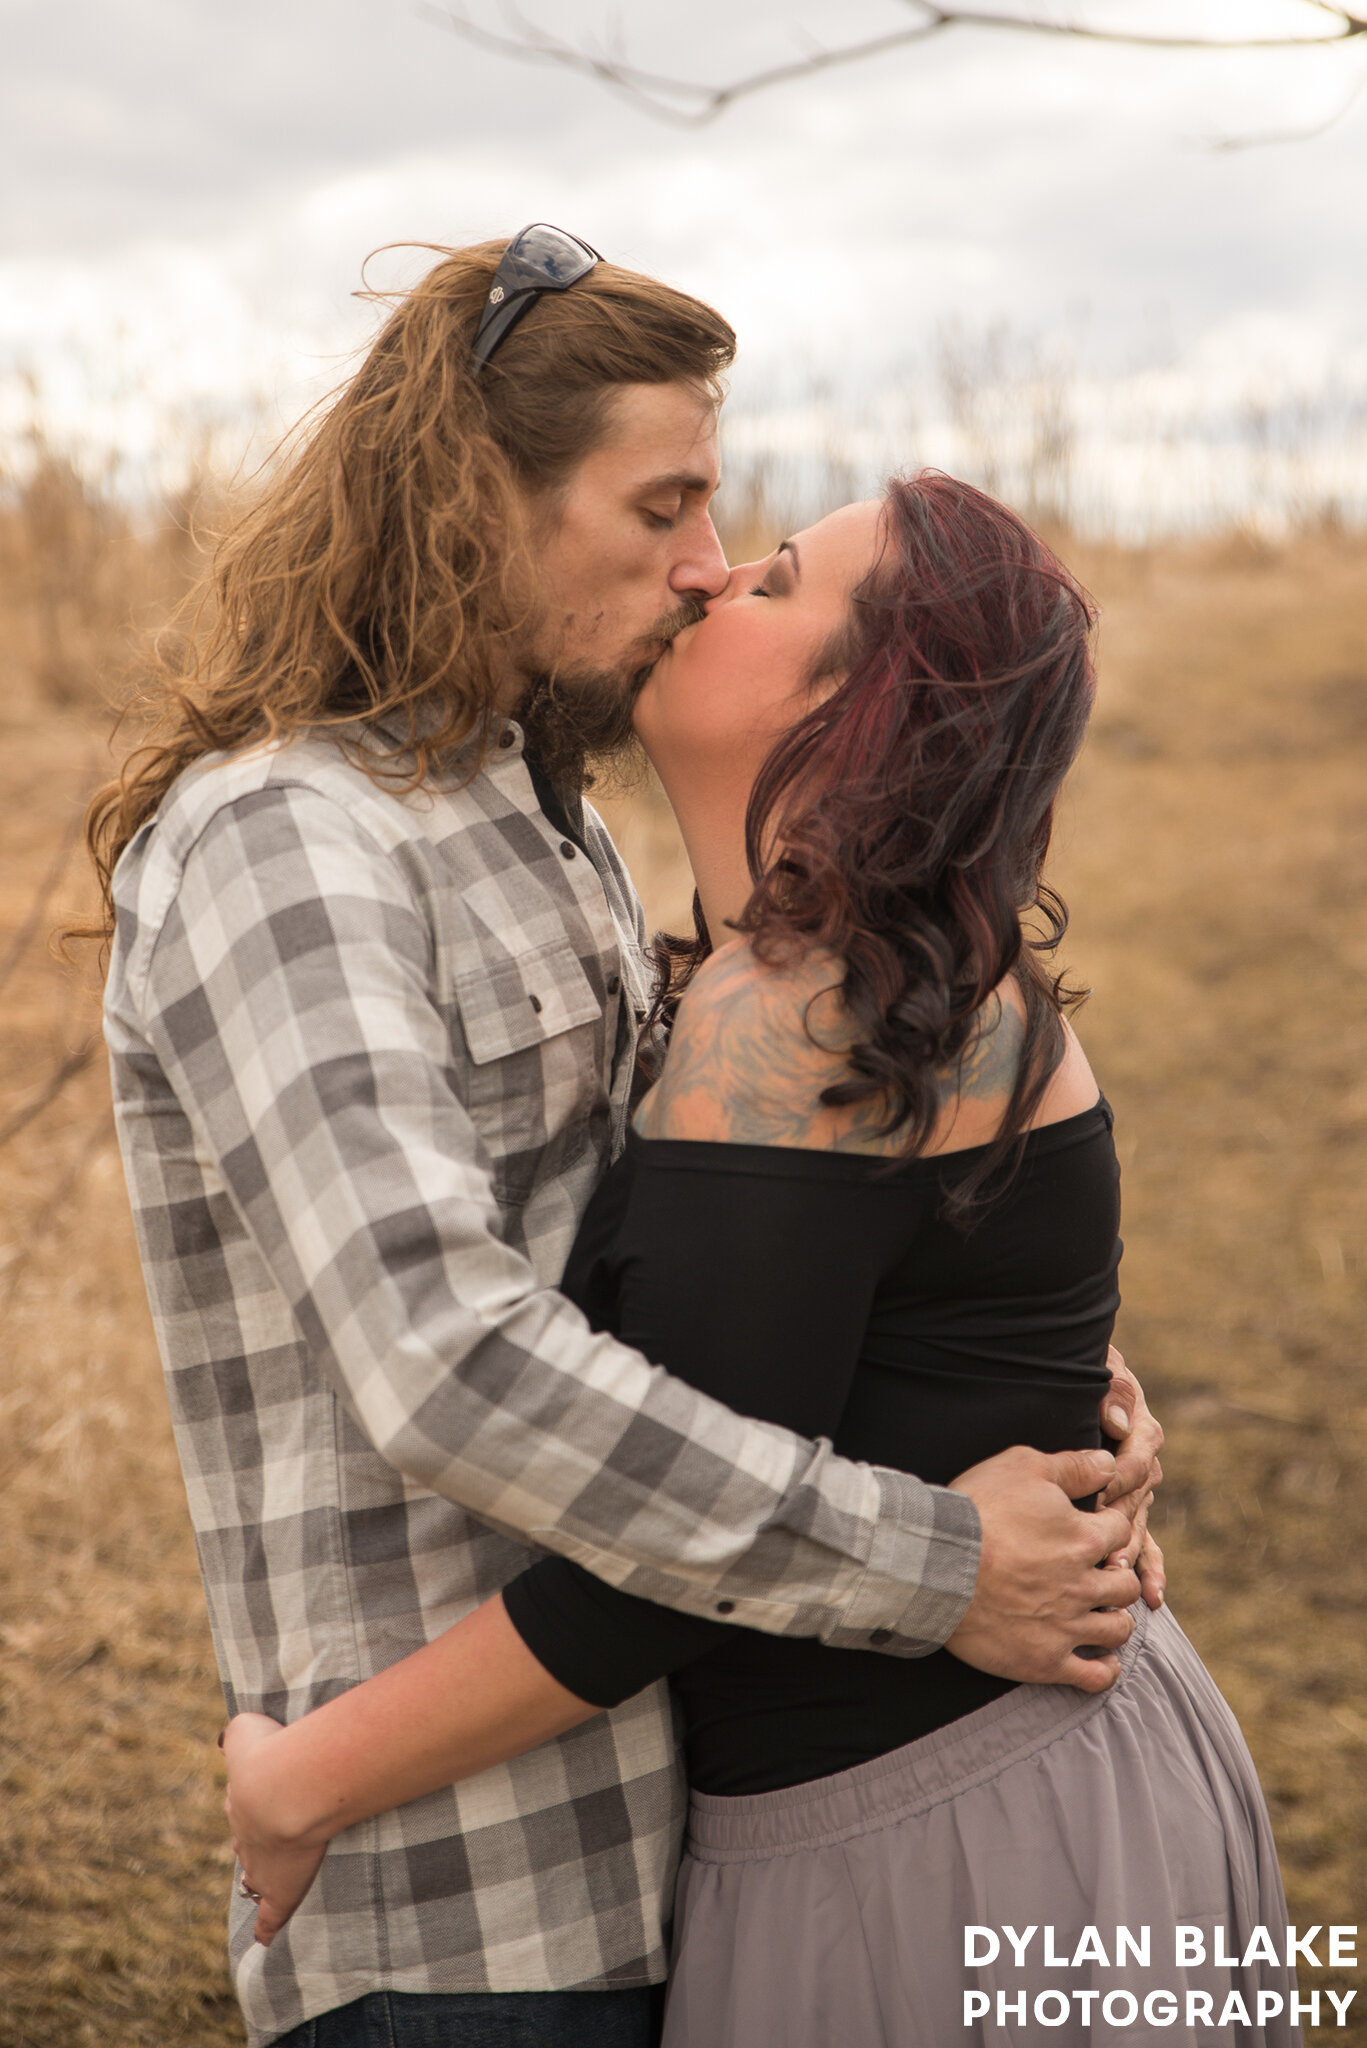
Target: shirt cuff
922, 1569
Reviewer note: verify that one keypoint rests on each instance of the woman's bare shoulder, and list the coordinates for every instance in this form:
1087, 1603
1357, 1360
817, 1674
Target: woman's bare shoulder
752, 1047
975, 1096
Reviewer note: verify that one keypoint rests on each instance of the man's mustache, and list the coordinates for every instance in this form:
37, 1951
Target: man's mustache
690, 612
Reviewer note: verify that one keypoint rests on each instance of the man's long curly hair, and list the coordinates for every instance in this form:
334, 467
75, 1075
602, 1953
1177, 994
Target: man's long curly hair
385, 570
902, 823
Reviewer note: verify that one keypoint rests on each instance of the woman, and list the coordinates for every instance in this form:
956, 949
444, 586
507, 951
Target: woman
872, 1196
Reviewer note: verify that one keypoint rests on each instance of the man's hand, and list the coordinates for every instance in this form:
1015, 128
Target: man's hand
1043, 1570
1139, 1438
277, 1871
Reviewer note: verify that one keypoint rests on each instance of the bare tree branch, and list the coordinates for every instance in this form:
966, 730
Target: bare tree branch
688, 103
1232, 142
18, 945
66, 1070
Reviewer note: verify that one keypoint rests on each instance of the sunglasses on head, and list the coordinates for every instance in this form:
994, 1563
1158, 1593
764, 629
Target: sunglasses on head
540, 259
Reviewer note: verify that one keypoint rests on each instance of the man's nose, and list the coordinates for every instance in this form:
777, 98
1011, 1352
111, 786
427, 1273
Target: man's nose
702, 565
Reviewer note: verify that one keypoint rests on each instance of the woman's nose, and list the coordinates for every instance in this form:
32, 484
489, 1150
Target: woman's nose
738, 579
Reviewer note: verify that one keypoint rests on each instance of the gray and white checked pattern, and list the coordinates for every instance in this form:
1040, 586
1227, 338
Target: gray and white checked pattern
371, 1052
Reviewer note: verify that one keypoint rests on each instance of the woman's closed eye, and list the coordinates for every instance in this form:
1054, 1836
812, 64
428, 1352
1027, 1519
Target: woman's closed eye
779, 578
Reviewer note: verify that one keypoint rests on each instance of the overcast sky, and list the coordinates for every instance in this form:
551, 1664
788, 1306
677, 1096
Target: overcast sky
187, 191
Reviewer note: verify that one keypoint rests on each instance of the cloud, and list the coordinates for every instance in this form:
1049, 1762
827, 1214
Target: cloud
201, 184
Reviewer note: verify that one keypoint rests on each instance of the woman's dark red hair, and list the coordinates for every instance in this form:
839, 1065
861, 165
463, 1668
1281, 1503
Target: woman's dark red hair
903, 822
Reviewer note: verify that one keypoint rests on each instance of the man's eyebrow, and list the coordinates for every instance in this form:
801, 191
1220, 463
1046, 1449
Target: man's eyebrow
679, 480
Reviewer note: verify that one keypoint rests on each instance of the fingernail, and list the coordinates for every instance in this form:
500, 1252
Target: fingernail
1117, 1421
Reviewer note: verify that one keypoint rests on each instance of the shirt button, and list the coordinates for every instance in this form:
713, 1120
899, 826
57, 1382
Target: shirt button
881, 1635
535, 1002
726, 1607
614, 984
567, 849
505, 739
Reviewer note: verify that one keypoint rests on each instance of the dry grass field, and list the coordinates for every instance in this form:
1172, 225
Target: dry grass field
1215, 855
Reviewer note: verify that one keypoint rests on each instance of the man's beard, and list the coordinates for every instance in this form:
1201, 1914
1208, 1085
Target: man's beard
578, 721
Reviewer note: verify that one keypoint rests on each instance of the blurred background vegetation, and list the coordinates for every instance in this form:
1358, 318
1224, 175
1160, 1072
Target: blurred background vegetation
1214, 853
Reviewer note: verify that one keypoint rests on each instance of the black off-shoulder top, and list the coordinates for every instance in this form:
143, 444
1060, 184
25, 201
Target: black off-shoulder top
828, 1293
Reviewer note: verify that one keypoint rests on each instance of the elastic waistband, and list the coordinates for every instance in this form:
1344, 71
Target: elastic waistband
907, 1781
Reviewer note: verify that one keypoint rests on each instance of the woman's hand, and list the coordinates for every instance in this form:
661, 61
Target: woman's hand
1125, 1416
1143, 1557
276, 1869
471, 1698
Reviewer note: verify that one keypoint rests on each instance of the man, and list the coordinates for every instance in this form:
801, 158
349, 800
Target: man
373, 1003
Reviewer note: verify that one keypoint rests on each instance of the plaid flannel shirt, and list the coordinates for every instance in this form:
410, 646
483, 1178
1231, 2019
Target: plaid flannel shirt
371, 1052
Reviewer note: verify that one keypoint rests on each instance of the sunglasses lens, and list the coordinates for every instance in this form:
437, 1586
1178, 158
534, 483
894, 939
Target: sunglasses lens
558, 256
540, 259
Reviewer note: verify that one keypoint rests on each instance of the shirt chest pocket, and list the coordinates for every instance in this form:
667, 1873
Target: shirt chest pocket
533, 1035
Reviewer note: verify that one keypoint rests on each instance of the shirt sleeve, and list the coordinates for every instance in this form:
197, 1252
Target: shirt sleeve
745, 1279
285, 985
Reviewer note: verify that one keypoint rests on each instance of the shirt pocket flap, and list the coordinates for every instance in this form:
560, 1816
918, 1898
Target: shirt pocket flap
509, 1004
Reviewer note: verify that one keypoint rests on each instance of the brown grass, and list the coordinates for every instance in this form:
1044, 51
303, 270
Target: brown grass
1215, 853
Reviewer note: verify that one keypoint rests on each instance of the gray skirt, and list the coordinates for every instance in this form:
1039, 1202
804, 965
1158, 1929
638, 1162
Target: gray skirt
870, 1909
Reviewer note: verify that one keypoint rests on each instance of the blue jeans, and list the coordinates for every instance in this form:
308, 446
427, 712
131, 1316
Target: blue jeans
487, 2019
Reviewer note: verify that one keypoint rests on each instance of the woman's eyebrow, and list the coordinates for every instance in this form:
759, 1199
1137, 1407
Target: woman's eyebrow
789, 547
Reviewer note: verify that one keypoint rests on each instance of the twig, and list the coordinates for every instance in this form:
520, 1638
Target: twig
1232, 142
56, 868
74, 1063
533, 44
